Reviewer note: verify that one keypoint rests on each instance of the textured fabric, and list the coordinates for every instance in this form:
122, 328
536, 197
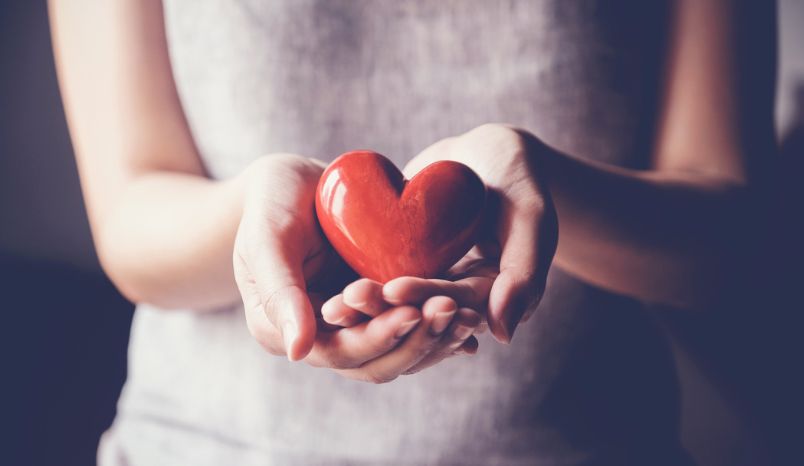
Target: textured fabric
588, 380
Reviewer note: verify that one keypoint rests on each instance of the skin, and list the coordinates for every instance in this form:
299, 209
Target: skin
148, 197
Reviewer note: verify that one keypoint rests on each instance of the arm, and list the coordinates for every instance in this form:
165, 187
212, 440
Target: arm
163, 230
683, 233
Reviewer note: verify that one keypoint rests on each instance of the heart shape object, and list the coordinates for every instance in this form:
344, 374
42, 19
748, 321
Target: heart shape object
385, 227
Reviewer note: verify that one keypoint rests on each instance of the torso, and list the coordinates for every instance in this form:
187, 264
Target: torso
587, 378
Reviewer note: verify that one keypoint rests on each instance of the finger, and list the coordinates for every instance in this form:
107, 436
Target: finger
279, 280
457, 337
468, 292
528, 244
462, 328
335, 312
257, 322
442, 309
413, 349
352, 346
366, 296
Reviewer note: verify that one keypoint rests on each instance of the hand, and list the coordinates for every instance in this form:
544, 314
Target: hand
280, 259
521, 231
446, 329
466, 291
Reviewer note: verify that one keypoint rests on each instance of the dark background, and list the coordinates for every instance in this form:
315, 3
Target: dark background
65, 328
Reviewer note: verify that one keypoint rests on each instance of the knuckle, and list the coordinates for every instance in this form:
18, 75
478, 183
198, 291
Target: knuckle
493, 130
501, 136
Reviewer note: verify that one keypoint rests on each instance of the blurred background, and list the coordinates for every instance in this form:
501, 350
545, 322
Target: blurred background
66, 328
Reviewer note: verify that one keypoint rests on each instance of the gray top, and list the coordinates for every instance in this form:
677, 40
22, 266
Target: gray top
588, 380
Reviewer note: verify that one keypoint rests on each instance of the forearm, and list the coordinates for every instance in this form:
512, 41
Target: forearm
679, 239
168, 239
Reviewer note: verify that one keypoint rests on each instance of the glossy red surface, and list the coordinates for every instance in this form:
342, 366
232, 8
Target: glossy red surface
385, 226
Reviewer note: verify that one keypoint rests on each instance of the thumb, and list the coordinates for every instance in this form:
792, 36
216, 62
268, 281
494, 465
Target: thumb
528, 240
279, 280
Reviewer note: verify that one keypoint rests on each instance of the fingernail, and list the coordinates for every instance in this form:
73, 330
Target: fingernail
355, 304
341, 322
462, 332
289, 334
406, 327
440, 322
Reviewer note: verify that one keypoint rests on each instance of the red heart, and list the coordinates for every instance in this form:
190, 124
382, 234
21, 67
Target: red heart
385, 226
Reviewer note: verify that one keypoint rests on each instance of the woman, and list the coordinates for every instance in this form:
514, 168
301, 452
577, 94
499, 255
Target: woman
632, 122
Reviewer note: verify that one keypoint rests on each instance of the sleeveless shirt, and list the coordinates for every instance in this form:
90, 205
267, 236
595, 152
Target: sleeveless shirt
587, 380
